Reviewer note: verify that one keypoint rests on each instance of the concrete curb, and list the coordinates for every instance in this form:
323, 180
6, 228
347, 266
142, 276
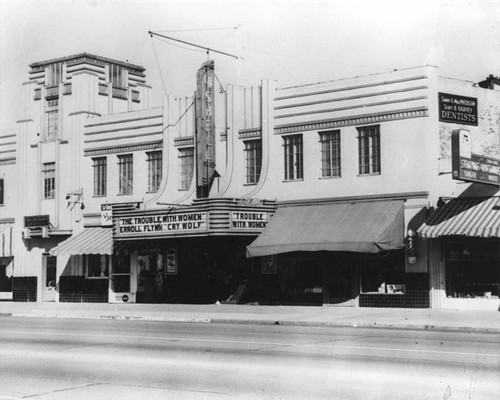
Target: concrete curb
326, 324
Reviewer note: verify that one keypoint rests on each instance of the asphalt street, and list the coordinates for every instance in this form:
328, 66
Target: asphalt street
46, 358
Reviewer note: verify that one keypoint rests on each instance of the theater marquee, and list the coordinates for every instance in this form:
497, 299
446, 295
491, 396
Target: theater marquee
162, 224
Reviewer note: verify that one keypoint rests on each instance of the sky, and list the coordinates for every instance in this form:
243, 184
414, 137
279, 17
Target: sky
293, 42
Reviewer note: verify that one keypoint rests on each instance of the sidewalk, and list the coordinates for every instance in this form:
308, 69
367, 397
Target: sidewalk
395, 318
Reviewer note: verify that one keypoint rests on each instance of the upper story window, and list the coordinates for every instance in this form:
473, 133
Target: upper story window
369, 149
49, 180
53, 74
1, 192
253, 157
154, 160
100, 176
52, 120
117, 76
186, 161
126, 174
330, 154
294, 165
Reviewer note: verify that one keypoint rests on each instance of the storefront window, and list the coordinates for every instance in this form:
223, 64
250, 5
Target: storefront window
383, 272
97, 265
472, 267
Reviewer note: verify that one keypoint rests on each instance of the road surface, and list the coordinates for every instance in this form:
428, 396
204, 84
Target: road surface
51, 358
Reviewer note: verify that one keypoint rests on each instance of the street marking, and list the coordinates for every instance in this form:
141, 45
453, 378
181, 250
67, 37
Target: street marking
182, 339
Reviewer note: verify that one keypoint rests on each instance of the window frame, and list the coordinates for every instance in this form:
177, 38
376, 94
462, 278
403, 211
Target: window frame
186, 167
331, 157
51, 120
293, 146
54, 74
154, 160
49, 180
100, 166
2, 191
90, 259
253, 160
369, 150
125, 174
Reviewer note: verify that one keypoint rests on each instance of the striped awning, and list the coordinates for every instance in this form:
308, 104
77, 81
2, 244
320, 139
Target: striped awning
88, 241
6, 240
479, 217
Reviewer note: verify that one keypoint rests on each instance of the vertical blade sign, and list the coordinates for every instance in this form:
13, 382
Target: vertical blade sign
205, 129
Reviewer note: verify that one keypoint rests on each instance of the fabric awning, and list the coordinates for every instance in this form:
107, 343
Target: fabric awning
6, 240
363, 227
88, 241
479, 216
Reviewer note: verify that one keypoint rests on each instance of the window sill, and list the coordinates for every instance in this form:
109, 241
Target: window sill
156, 191
125, 194
293, 180
329, 177
250, 184
96, 196
372, 174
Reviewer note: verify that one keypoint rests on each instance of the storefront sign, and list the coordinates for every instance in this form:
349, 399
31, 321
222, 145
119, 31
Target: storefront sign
36, 221
106, 215
166, 224
470, 167
457, 109
249, 220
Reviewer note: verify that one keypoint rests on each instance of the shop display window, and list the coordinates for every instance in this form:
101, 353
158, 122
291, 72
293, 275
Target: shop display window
383, 273
97, 265
472, 267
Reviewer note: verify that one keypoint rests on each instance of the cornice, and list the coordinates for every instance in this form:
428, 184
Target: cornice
359, 120
184, 141
7, 161
249, 133
123, 149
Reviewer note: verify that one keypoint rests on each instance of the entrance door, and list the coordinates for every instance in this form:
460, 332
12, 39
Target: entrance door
49, 273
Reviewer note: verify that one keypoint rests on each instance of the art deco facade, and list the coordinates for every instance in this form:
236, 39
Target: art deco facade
337, 193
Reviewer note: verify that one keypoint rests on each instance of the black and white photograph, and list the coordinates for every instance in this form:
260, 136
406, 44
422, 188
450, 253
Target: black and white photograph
252, 199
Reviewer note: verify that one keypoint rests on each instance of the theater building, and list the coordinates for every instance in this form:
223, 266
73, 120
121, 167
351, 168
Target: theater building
348, 193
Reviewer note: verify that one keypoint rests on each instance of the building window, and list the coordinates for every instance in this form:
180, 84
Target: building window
369, 150
1, 192
97, 265
100, 176
186, 160
117, 76
154, 160
294, 168
125, 171
52, 120
49, 180
330, 154
53, 74
253, 157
